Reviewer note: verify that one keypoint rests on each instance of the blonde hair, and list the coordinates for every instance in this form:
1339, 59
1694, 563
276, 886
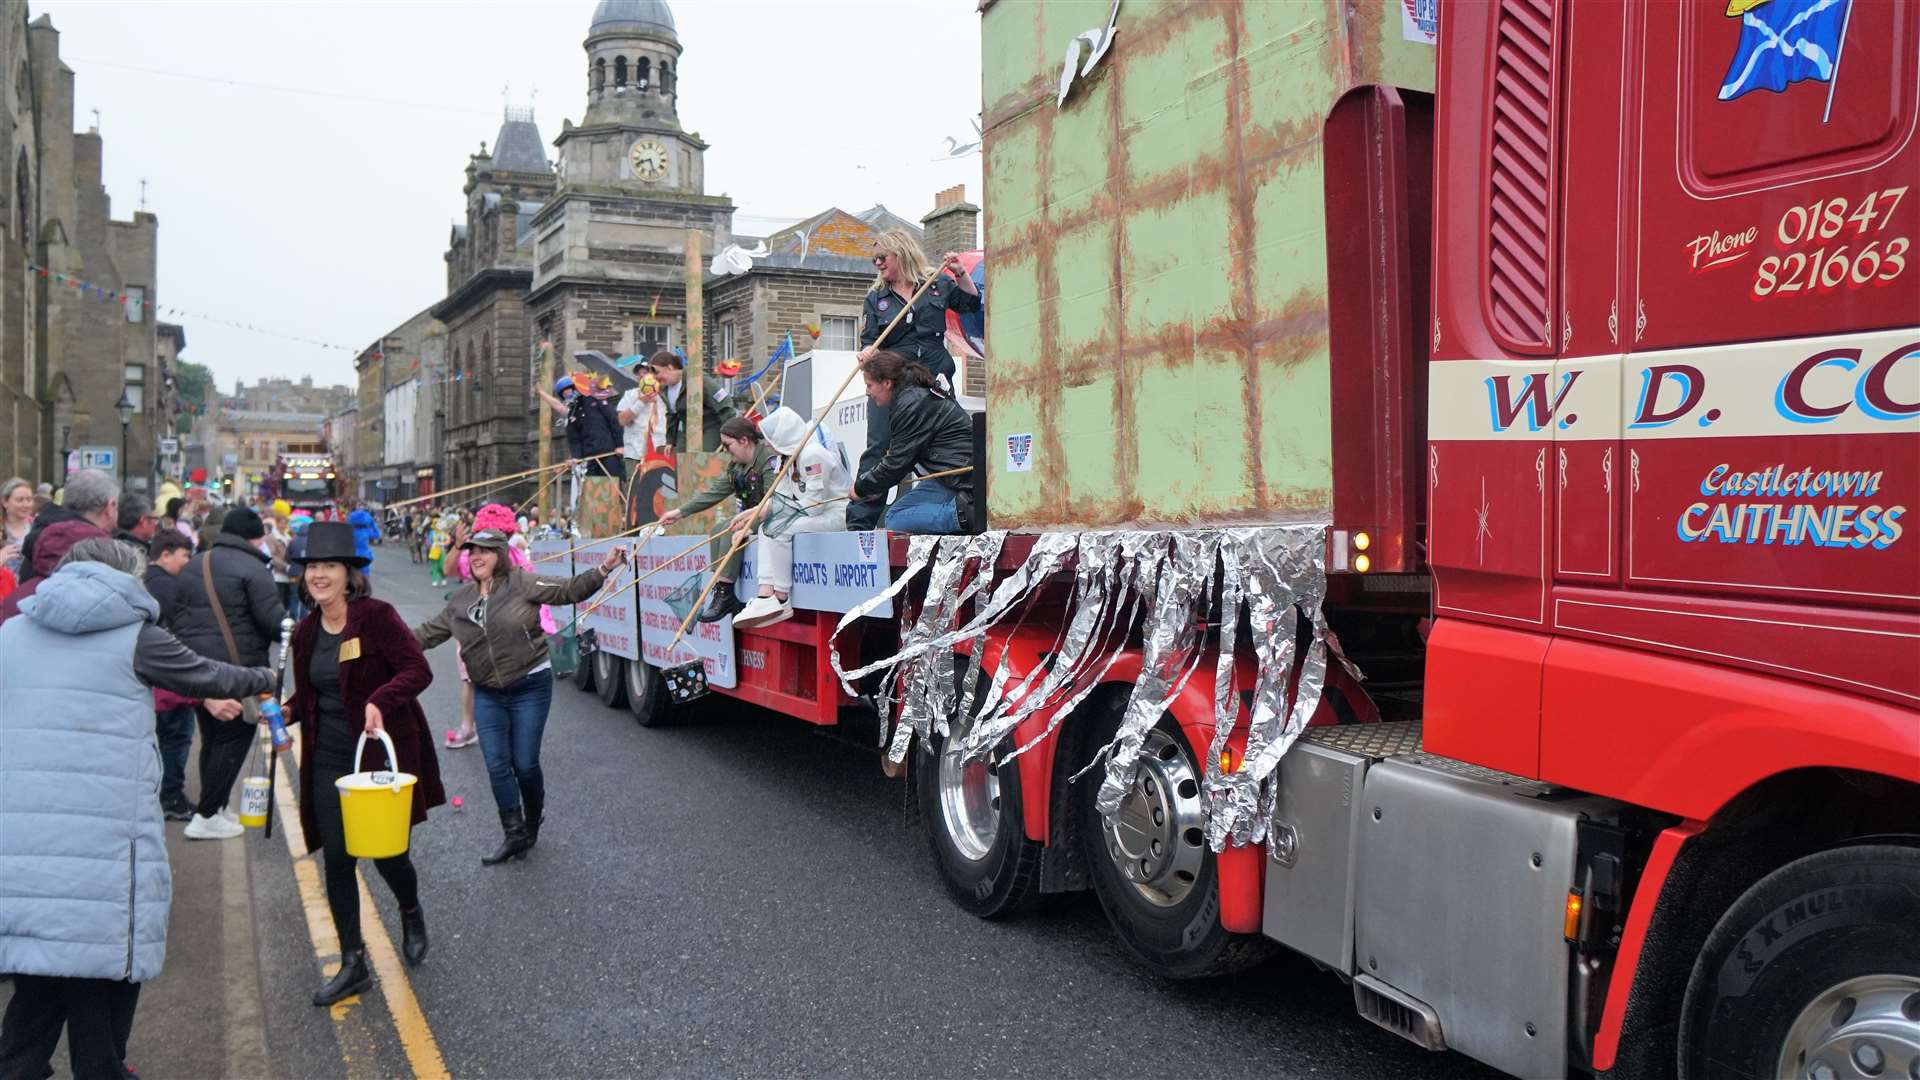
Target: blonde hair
900, 244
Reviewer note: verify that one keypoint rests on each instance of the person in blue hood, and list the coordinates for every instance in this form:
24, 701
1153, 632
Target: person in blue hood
366, 532
85, 886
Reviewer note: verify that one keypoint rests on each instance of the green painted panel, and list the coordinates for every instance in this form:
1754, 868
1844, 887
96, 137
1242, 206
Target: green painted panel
1190, 386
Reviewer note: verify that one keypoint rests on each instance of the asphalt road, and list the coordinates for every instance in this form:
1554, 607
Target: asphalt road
748, 895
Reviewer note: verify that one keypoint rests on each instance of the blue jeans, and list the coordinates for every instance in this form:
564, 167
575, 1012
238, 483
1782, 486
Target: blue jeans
510, 723
174, 730
927, 507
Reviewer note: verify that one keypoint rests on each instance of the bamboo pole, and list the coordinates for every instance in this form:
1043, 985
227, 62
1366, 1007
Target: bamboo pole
713, 579
693, 394
498, 481
546, 430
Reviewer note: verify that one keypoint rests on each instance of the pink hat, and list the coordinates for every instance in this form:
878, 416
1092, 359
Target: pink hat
495, 516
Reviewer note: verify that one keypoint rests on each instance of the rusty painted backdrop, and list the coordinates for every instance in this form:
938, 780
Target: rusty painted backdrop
1158, 304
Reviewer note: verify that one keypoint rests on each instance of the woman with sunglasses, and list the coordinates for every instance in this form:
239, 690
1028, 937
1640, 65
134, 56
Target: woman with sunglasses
920, 338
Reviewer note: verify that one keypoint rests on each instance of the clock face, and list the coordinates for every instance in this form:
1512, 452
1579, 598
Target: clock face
648, 160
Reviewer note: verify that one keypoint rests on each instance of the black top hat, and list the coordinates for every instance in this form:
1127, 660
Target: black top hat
331, 541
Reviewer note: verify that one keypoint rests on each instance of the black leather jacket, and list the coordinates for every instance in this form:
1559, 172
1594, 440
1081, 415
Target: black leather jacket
247, 594
930, 433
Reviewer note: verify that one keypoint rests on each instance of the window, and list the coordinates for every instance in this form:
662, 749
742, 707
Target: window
619, 72
666, 78
23, 198
840, 332
642, 73
650, 338
136, 304
726, 340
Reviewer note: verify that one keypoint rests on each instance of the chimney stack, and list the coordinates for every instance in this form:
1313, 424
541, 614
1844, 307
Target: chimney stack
954, 223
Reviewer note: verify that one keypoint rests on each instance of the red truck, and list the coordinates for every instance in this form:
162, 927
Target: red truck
1529, 632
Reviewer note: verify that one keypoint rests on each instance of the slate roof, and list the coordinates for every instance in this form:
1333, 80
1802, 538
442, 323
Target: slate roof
519, 148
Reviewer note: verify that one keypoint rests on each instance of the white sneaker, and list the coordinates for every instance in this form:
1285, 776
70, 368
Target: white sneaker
216, 827
764, 611
230, 813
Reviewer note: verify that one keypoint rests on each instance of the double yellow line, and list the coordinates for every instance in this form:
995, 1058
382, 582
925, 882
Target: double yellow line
409, 1022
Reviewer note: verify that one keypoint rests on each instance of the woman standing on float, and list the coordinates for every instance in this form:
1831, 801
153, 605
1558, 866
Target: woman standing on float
356, 668
496, 620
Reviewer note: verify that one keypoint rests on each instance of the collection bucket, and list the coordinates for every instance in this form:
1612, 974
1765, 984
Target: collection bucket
253, 801
376, 807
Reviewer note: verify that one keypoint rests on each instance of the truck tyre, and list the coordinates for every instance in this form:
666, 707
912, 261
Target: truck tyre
610, 679
583, 671
1156, 878
647, 695
1814, 972
976, 831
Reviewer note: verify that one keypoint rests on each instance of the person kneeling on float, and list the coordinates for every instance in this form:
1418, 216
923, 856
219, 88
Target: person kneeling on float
929, 433
749, 475
811, 498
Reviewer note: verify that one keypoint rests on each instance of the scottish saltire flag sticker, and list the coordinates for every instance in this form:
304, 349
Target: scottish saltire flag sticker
1783, 42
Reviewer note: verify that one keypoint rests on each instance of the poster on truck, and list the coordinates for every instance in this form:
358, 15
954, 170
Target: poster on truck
551, 558
832, 571
610, 613
661, 601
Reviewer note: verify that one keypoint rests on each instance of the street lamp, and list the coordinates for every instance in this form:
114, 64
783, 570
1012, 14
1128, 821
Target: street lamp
126, 408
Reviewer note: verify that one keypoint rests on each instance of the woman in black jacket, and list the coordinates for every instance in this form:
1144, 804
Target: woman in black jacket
931, 433
593, 425
233, 573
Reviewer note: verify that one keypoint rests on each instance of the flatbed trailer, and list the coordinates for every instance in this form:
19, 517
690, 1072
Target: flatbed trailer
1449, 473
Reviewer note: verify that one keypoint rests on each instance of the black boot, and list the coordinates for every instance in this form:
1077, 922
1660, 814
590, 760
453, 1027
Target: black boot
354, 977
535, 805
514, 824
721, 603
413, 936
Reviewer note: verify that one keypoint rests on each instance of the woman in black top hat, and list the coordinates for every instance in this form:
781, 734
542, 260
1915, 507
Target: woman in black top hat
356, 668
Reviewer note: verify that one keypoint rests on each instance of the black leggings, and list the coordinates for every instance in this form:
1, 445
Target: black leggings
223, 753
343, 891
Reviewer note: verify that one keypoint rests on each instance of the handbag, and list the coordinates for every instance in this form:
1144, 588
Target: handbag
226, 630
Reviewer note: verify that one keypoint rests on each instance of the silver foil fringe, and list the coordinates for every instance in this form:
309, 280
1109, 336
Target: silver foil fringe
1165, 588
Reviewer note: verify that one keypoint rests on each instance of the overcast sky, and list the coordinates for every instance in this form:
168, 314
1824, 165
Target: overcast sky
305, 159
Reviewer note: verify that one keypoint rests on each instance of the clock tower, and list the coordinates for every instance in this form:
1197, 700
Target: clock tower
631, 133
609, 246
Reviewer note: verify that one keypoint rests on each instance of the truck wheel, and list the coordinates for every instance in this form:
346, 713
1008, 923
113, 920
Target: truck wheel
1151, 867
610, 678
1813, 973
646, 695
583, 671
976, 831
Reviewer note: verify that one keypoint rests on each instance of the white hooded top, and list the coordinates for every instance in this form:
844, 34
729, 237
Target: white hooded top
821, 478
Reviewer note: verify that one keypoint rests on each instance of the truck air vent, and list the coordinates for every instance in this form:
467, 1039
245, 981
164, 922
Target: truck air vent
1522, 185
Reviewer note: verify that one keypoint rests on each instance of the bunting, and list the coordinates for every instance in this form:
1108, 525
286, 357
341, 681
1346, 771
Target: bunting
94, 291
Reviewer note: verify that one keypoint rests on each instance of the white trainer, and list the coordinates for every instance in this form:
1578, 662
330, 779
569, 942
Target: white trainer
764, 611
216, 827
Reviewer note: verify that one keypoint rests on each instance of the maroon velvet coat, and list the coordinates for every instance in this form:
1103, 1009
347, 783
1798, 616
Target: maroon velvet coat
390, 672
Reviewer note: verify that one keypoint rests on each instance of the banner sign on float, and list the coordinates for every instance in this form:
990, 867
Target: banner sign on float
832, 571
612, 617
550, 559
711, 643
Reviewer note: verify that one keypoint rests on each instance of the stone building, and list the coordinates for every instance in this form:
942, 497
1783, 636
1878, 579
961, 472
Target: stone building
485, 394
389, 389
610, 246
241, 445
77, 287
288, 395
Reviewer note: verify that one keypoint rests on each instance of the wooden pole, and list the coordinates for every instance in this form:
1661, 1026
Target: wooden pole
693, 390
546, 430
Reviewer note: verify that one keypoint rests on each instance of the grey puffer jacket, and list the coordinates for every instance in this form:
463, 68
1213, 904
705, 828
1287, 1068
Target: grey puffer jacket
508, 644
84, 882
244, 583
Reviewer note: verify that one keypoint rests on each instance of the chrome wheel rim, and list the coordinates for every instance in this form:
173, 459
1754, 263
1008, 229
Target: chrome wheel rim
1158, 839
969, 802
1865, 1028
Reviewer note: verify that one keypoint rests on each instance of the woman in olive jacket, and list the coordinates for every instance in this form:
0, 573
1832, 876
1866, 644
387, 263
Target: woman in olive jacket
496, 620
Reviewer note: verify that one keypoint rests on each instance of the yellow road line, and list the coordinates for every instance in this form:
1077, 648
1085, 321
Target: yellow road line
409, 1022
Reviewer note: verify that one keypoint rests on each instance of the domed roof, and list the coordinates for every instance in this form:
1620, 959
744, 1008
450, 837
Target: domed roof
612, 16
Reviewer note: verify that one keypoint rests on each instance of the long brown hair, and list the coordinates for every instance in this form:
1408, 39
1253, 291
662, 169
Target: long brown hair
889, 366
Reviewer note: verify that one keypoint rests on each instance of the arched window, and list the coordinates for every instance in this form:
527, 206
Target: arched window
23, 201
666, 78
484, 367
599, 75
619, 73
642, 73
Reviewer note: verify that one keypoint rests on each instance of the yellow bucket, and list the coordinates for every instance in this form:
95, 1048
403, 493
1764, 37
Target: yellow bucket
376, 808
253, 801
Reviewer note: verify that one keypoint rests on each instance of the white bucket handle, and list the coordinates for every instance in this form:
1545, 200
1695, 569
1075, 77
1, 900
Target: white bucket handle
393, 757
